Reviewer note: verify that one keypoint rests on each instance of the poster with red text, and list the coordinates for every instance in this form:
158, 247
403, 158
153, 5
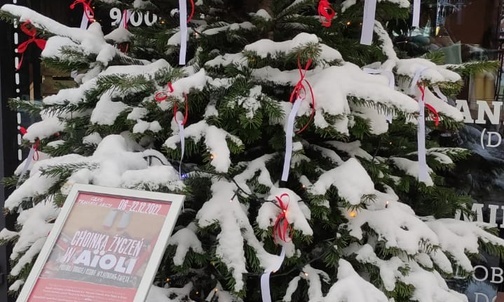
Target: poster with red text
102, 251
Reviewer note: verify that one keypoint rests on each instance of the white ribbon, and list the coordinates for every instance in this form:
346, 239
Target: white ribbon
416, 13
423, 175
390, 75
182, 145
183, 31
368, 22
84, 22
439, 93
27, 164
289, 132
416, 78
265, 285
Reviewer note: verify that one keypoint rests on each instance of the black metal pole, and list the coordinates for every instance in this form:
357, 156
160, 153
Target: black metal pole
8, 140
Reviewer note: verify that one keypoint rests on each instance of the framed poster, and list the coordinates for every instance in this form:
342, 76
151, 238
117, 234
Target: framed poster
106, 245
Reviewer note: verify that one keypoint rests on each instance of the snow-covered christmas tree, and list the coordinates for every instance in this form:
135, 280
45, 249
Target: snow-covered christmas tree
288, 136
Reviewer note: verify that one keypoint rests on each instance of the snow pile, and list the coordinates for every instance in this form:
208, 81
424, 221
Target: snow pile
351, 287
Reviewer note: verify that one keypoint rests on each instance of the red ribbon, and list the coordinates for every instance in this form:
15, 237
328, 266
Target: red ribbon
125, 19
326, 12
300, 91
32, 32
23, 130
281, 228
88, 10
35, 145
432, 111
163, 95
191, 15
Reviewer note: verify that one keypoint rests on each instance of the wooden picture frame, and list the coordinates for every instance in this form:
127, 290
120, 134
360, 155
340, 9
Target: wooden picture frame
105, 245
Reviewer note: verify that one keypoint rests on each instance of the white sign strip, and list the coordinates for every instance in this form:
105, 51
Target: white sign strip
289, 132
368, 22
265, 284
183, 31
416, 13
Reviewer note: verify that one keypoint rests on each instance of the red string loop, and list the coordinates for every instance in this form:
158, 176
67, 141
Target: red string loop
163, 96
31, 32
88, 10
186, 113
282, 228
36, 146
432, 111
326, 13
300, 91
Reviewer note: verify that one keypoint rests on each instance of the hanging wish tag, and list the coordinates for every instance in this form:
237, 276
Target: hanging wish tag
182, 144
423, 174
84, 21
416, 13
368, 22
265, 278
440, 94
183, 31
289, 132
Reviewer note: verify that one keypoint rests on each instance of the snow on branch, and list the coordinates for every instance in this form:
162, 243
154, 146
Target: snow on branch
411, 168
352, 287
265, 47
397, 226
223, 208
185, 239
36, 227
351, 180
297, 214
214, 138
459, 238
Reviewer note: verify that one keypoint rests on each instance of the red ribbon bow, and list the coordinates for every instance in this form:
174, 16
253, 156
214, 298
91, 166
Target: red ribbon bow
281, 228
88, 10
163, 96
32, 32
300, 91
326, 12
432, 111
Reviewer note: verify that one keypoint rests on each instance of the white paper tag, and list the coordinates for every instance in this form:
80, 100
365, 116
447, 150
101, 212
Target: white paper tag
440, 94
27, 164
182, 145
368, 22
416, 13
416, 78
289, 132
423, 175
85, 21
183, 31
265, 284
